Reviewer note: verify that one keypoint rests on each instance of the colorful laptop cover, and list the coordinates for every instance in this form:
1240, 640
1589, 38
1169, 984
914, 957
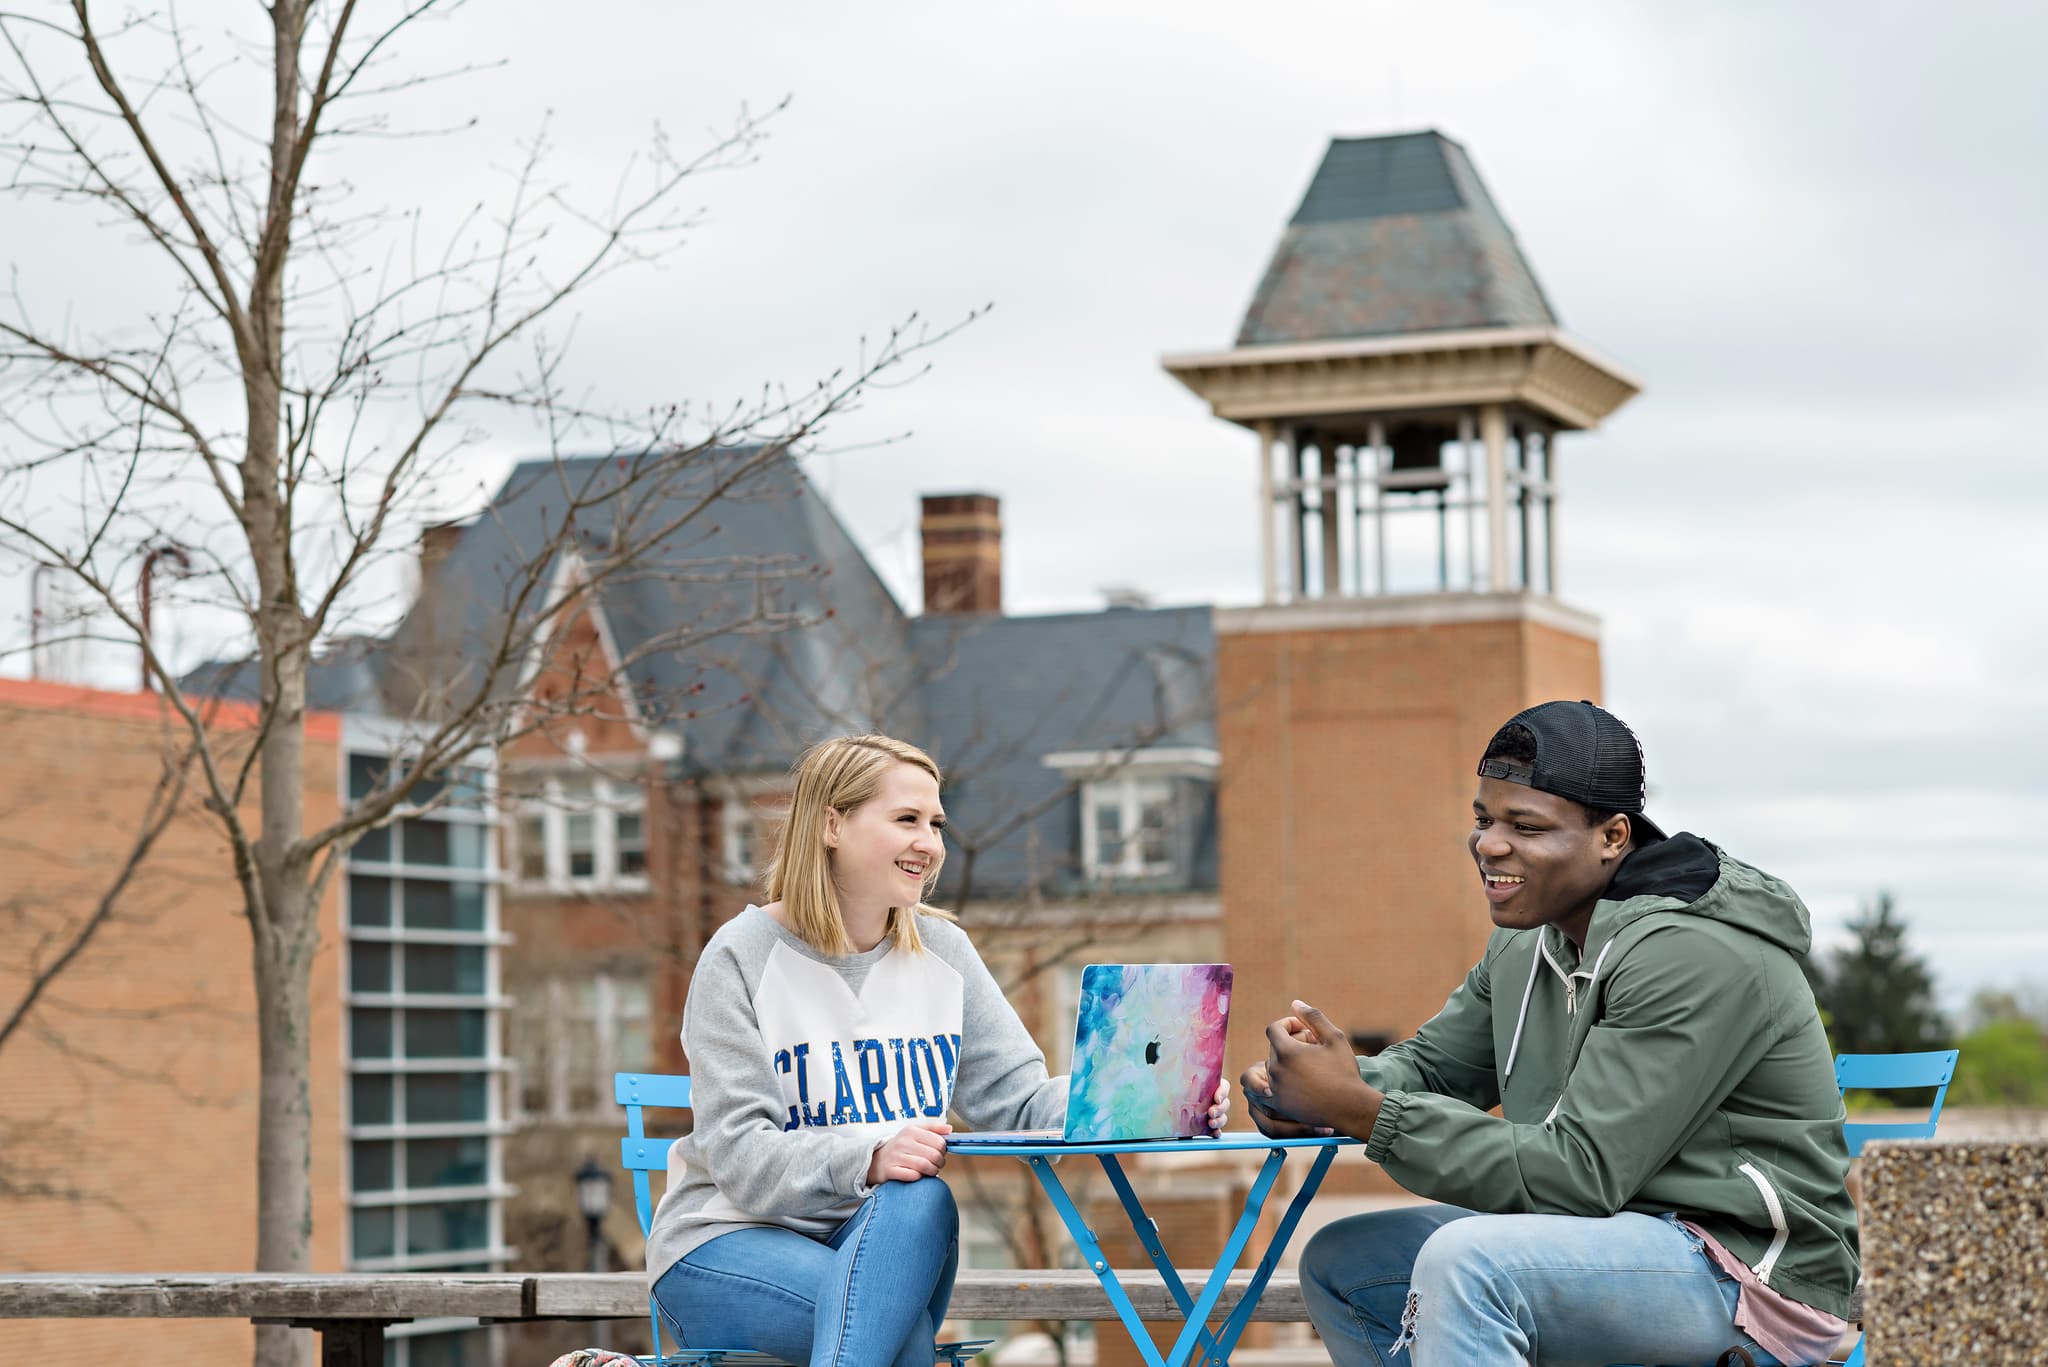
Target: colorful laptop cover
1148, 1050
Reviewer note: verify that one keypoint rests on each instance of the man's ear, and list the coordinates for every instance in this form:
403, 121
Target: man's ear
831, 832
1617, 837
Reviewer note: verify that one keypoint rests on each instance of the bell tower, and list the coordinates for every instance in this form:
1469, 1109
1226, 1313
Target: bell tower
1406, 384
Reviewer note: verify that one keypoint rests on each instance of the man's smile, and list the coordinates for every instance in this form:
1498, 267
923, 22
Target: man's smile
1501, 886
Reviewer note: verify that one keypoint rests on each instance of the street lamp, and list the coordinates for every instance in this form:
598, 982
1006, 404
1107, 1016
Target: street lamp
594, 1199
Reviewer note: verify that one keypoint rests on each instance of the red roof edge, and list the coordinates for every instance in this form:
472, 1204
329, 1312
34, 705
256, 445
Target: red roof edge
81, 700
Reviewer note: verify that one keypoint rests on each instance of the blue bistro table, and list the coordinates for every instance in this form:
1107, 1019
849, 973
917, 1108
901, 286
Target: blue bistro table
1195, 1331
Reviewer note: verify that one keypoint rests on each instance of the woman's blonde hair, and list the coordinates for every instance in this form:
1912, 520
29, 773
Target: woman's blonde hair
838, 775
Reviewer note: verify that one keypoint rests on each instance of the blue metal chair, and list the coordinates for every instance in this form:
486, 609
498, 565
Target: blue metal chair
642, 1154
1892, 1072
1889, 1072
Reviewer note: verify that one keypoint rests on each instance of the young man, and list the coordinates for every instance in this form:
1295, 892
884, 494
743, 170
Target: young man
1665, 1179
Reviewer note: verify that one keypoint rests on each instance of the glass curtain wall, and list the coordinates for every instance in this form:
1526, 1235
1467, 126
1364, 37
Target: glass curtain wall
425, 1104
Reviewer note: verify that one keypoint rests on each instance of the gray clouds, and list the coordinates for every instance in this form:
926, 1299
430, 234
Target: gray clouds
1813, 229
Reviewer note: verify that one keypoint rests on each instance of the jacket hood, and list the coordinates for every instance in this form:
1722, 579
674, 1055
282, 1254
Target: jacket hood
1681, 875
1692, 876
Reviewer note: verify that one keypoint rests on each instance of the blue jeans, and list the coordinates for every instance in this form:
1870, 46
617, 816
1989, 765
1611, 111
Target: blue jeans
1450, 1287
871, 1295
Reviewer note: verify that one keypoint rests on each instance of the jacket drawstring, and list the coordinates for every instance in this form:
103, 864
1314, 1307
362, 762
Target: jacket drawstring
1571, 988
1536, 961
1515, 1045
1601, 959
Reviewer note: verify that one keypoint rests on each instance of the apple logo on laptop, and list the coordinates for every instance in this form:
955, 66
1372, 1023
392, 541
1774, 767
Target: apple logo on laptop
1152, 1051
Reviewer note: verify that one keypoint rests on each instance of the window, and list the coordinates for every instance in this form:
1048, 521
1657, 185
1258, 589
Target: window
1127, 827
1134, 807
749, 805
580, 830
741, 826
425, 1095
632, 844
531, 834
366, 774
569, 1037
582, 843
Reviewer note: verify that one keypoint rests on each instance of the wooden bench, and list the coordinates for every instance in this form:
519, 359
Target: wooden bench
350, 1310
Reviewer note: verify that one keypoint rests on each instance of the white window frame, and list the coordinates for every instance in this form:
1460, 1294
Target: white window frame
739, 828
635, 806
604, 798
609, 1021
746, 805
1129, 795
374, 736
1126, 777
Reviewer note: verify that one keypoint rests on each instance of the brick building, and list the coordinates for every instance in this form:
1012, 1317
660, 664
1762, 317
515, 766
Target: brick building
1280, 786
633, 819
128, 1095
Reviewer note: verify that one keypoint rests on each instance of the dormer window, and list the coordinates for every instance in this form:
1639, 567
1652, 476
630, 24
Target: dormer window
1134, 805
1126, 827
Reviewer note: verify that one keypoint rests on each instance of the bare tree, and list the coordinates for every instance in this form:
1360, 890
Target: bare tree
292, 402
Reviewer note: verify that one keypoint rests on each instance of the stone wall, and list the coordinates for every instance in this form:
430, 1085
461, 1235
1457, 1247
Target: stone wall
1955, 1253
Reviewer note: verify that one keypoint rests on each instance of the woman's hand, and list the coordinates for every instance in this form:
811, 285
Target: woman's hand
917, 1150
1219, 1109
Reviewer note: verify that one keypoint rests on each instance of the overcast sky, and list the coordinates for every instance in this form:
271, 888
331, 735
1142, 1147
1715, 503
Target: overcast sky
1814, 230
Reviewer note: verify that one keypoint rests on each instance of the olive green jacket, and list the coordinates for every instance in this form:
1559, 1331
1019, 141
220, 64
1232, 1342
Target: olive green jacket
1679, 1065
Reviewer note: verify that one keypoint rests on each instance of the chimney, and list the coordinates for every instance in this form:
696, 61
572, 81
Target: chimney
436, 540
963, 553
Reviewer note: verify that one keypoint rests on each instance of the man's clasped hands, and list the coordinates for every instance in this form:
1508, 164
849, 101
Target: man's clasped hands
1309, 1085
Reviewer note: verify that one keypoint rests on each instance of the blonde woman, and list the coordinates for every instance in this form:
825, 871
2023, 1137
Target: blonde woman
830, 1033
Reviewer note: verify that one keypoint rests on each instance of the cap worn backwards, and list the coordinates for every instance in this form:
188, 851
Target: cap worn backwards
1584, 753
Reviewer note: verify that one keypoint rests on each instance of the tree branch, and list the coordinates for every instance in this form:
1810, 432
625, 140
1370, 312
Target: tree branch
158, 813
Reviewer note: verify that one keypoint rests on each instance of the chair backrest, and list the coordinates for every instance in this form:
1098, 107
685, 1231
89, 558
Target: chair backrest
640, 1152
1888, 1072
643, 1153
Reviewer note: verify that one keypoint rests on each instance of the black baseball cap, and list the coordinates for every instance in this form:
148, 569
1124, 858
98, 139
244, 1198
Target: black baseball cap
1585, 753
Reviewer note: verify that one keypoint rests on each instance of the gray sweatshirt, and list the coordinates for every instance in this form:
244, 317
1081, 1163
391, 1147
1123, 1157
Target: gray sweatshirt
802, 1064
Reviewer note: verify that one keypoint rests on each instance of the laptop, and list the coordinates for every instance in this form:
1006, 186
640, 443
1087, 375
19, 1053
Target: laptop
1148, 1053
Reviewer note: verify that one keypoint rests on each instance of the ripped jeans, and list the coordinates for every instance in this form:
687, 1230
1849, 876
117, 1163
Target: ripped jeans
1436, 1286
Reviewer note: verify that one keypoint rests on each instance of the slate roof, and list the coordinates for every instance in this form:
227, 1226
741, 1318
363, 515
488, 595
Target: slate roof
1396, 235
989, 696
349, 676
767, 553
1001, 693
742, 577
